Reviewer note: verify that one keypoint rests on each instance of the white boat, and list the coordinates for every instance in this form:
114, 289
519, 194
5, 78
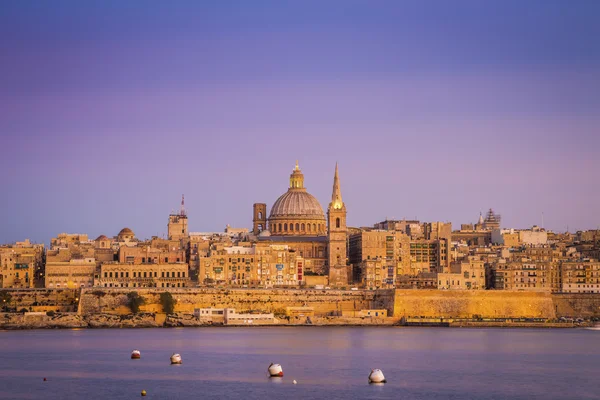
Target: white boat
275, 370
175, 359
376, 376
594, 328
136, 354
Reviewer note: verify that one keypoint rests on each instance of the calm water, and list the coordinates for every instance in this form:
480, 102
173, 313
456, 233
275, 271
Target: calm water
332, 363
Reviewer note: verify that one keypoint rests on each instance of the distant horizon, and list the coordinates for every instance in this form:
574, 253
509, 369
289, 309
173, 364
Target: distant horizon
109, 111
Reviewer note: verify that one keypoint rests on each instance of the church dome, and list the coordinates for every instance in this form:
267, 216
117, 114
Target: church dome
101, 237
296, 203
126, 232
297, 212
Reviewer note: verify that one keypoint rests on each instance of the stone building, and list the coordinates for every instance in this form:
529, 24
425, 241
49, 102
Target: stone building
580, 276
527, 275
178, 223
21, 265
297, 220
71, 274
117, 274
67, 239
467, 274
379, 256
262, 264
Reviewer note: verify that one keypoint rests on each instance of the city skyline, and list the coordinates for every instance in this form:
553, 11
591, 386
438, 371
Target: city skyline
109, 113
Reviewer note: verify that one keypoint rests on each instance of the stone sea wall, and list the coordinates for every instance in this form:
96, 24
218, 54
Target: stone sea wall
472, 303
16, 321
324, 302
494, 304
98, 308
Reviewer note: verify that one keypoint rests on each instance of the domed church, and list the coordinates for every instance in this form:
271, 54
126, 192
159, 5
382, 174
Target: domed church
297, 212
298, 221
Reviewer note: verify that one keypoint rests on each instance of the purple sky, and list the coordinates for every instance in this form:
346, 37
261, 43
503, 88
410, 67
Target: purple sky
434, 110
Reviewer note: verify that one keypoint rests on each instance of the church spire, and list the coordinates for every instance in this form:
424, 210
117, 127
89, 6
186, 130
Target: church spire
336, 195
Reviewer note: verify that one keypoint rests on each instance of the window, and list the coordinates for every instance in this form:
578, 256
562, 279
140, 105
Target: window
279, 228
291, 227
285, 227
166, 259
259, 215
337, 222
303, 227
297, 227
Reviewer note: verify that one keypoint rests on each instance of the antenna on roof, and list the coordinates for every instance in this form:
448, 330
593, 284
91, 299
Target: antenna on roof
182, 210
542, 220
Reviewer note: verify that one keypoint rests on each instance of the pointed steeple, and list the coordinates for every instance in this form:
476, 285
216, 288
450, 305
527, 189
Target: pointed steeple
336, 195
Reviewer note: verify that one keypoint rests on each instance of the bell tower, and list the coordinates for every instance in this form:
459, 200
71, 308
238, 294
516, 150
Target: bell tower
259, 220
178, 223
337, 235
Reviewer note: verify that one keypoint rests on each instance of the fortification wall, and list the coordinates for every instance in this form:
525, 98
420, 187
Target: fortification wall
576, 305
324, 302
470, 303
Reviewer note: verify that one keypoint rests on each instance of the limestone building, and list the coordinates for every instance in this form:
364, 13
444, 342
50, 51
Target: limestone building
21, 265
117, 274
178, 223
71, 274
581, 276
297, 220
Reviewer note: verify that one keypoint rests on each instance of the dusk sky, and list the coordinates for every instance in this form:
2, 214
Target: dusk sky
435, 110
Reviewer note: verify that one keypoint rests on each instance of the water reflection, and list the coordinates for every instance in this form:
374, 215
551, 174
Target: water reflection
329, 362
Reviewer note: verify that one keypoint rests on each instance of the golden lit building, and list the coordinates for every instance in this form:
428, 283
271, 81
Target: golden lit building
582, 276
297, 221
72, 274
116, 274
178, 223
21, 265
261, 264
379, 257
467, 274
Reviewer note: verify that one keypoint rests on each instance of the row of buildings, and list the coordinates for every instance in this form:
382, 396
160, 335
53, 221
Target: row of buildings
297, 244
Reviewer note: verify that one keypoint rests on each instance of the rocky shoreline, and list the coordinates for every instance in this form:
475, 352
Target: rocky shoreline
20, 321
14, 321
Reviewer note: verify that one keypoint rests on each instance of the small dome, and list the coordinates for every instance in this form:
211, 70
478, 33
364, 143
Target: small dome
126, 232
101, 237
295, 203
